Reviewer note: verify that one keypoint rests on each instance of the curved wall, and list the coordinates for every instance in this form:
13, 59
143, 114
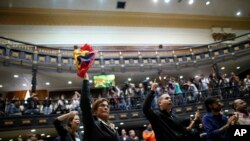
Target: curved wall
109, 35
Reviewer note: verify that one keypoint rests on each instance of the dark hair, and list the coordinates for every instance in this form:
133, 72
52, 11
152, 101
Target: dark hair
159, 72
209, 101
97, 103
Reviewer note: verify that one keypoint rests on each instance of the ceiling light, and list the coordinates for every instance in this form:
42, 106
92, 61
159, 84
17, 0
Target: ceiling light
82, 132
222, 68
129, 79
42, 134
190, 2
81, 127
238, 13
238, 67
69, 82
47, 83
116, 128
16, 76
48, 136
181, 77
25, 85
147, 78
155, 1
90, 81
208, 2
166, 1
33, 130
121, 123
1, 86
145, 125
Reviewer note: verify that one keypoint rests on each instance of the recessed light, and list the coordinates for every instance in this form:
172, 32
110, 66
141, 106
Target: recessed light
155, 1
208, 2
33, 130
81, 127
238, 67
129, 79
222, 68
190, 2
238, 13
90, 81
48, 136
47, 83
116, 128
16, 76
147, 78
121, 123
25, 85
166, 1
42, 134
1, 86
181, 77
69, 82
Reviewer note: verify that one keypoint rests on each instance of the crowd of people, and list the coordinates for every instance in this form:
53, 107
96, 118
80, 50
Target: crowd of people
131, 96
164, 124
157, 100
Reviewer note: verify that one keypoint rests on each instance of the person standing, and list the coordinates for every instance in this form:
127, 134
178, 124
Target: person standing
70, 133
241, 112
166, 125
216, 124
124, 136
97, 127
148, 134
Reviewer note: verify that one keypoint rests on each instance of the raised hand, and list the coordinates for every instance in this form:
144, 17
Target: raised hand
154, 86
86, 76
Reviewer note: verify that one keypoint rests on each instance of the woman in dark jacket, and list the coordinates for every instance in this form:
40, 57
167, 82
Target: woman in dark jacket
97, 127
71, 132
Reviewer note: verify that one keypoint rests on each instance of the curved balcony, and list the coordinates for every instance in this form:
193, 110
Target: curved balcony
23, 54
14, 52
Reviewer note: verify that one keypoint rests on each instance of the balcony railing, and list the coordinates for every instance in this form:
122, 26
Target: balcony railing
26, 54
123, 109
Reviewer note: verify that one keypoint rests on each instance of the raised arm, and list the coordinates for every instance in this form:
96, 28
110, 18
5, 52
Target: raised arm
58, 123
192, 123
85, 104
147, 103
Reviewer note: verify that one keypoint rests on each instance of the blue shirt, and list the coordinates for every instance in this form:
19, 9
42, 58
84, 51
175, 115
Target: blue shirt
211, 124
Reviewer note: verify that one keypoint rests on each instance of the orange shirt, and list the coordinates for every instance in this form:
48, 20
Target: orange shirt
148, 135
